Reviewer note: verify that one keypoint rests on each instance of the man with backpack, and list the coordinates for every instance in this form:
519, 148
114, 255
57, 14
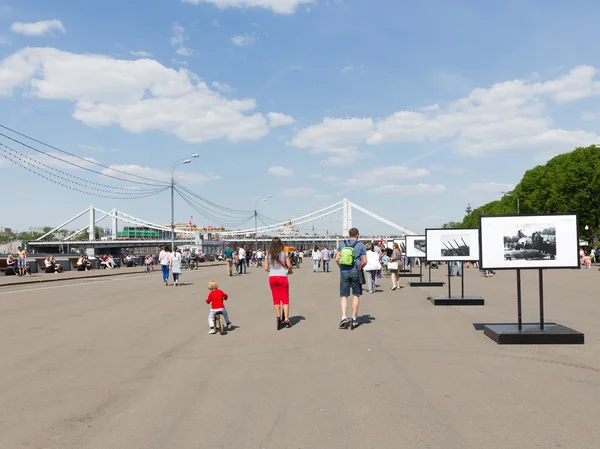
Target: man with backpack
351, 257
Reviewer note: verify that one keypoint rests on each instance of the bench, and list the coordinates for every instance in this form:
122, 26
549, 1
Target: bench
6, 270
73, 262
42, 268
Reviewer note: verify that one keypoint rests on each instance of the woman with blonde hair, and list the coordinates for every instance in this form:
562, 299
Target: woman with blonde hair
278, 264
395, 269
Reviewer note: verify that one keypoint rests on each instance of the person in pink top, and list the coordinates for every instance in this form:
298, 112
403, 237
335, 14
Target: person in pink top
325, 256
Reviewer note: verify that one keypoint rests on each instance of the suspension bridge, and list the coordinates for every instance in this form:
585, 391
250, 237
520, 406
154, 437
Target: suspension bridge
146, 234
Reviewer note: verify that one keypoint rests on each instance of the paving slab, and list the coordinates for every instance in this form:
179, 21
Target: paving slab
125, 362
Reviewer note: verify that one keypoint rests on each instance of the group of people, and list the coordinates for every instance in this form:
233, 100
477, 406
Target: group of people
322, 257
351, 257
19, 264
170, 261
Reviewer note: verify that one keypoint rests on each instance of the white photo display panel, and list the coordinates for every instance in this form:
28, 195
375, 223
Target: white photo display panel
529, 241
416, 246
452, 245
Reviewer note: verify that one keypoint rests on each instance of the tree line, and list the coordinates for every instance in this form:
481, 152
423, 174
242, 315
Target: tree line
568, 183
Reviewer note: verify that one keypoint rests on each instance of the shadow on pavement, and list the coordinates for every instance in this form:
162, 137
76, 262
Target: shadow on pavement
365, 319
296, 319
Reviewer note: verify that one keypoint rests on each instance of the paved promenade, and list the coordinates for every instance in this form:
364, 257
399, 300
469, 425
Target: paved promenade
122, 362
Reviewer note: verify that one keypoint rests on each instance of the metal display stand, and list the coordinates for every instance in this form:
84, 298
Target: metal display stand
461, 300
534, 334
422, 283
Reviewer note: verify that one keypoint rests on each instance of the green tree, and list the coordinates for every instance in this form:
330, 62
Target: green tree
453, 225
568, 183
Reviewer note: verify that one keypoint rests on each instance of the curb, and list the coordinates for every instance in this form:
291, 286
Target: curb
58, 279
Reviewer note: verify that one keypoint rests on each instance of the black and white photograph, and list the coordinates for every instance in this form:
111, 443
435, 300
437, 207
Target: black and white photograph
452, 245
416, 246
533, 242
521, 241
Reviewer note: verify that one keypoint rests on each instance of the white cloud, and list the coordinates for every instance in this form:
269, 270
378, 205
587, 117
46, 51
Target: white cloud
244, 40
43, 28
410, 189
278, 119
139, 96
222, 87
347, 68
508, 116
178, 40
141, 54
4, 41
278, 6
448, 170
159, 175
381, 175
337, 138
299, 191
486, 188
281, 171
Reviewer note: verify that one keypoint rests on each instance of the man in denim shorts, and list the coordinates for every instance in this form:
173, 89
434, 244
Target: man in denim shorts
349, 277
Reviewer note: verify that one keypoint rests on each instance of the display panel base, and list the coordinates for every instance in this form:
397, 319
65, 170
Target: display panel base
427, 284
457, 300
531, 334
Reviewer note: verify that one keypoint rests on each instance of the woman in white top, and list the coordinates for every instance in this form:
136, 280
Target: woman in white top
164, 258
316, 255
176, 265
277, 263
371, 268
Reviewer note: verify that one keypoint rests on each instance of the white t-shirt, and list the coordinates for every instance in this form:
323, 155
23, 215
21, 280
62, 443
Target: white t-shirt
259, 254
164, 258
316, 255
242, 253
276, 268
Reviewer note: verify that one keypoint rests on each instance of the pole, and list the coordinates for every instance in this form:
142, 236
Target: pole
172, 214
541, 299
255, 230
519, 309
449, 288
462, 279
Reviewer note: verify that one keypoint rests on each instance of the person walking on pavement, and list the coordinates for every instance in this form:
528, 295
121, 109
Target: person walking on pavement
242, 257
351, 256
164, 258
325, 256
316, 256
229, 260
395, 272
278, 264
176, 265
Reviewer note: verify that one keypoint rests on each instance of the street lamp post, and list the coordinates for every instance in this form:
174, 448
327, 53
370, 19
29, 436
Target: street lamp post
515, 197
266, 198
175, 165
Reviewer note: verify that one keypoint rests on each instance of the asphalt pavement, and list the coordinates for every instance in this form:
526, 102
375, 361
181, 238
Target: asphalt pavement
123, 362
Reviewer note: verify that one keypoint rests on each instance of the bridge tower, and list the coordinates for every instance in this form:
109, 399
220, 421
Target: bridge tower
92, 225
347, 218
114, 224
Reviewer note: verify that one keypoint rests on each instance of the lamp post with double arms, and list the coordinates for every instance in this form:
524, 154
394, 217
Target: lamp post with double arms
175, 165
266, 198
515, 197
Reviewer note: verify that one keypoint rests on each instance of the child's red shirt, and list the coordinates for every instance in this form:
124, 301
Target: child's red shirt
216, 298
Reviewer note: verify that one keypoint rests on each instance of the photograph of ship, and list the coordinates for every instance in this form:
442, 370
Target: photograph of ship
456, 245
534, 242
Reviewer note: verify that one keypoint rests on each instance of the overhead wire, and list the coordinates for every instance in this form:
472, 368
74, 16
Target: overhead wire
210, 215
204, 200
116, 190
87, 161
86, 192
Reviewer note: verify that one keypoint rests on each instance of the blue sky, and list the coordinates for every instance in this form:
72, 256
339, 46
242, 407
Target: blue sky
410, 109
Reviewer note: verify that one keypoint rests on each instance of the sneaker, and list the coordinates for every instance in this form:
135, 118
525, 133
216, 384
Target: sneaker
212, 330
344, 323
229, 326
354, 323
278, 323
286, 323
393, 288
